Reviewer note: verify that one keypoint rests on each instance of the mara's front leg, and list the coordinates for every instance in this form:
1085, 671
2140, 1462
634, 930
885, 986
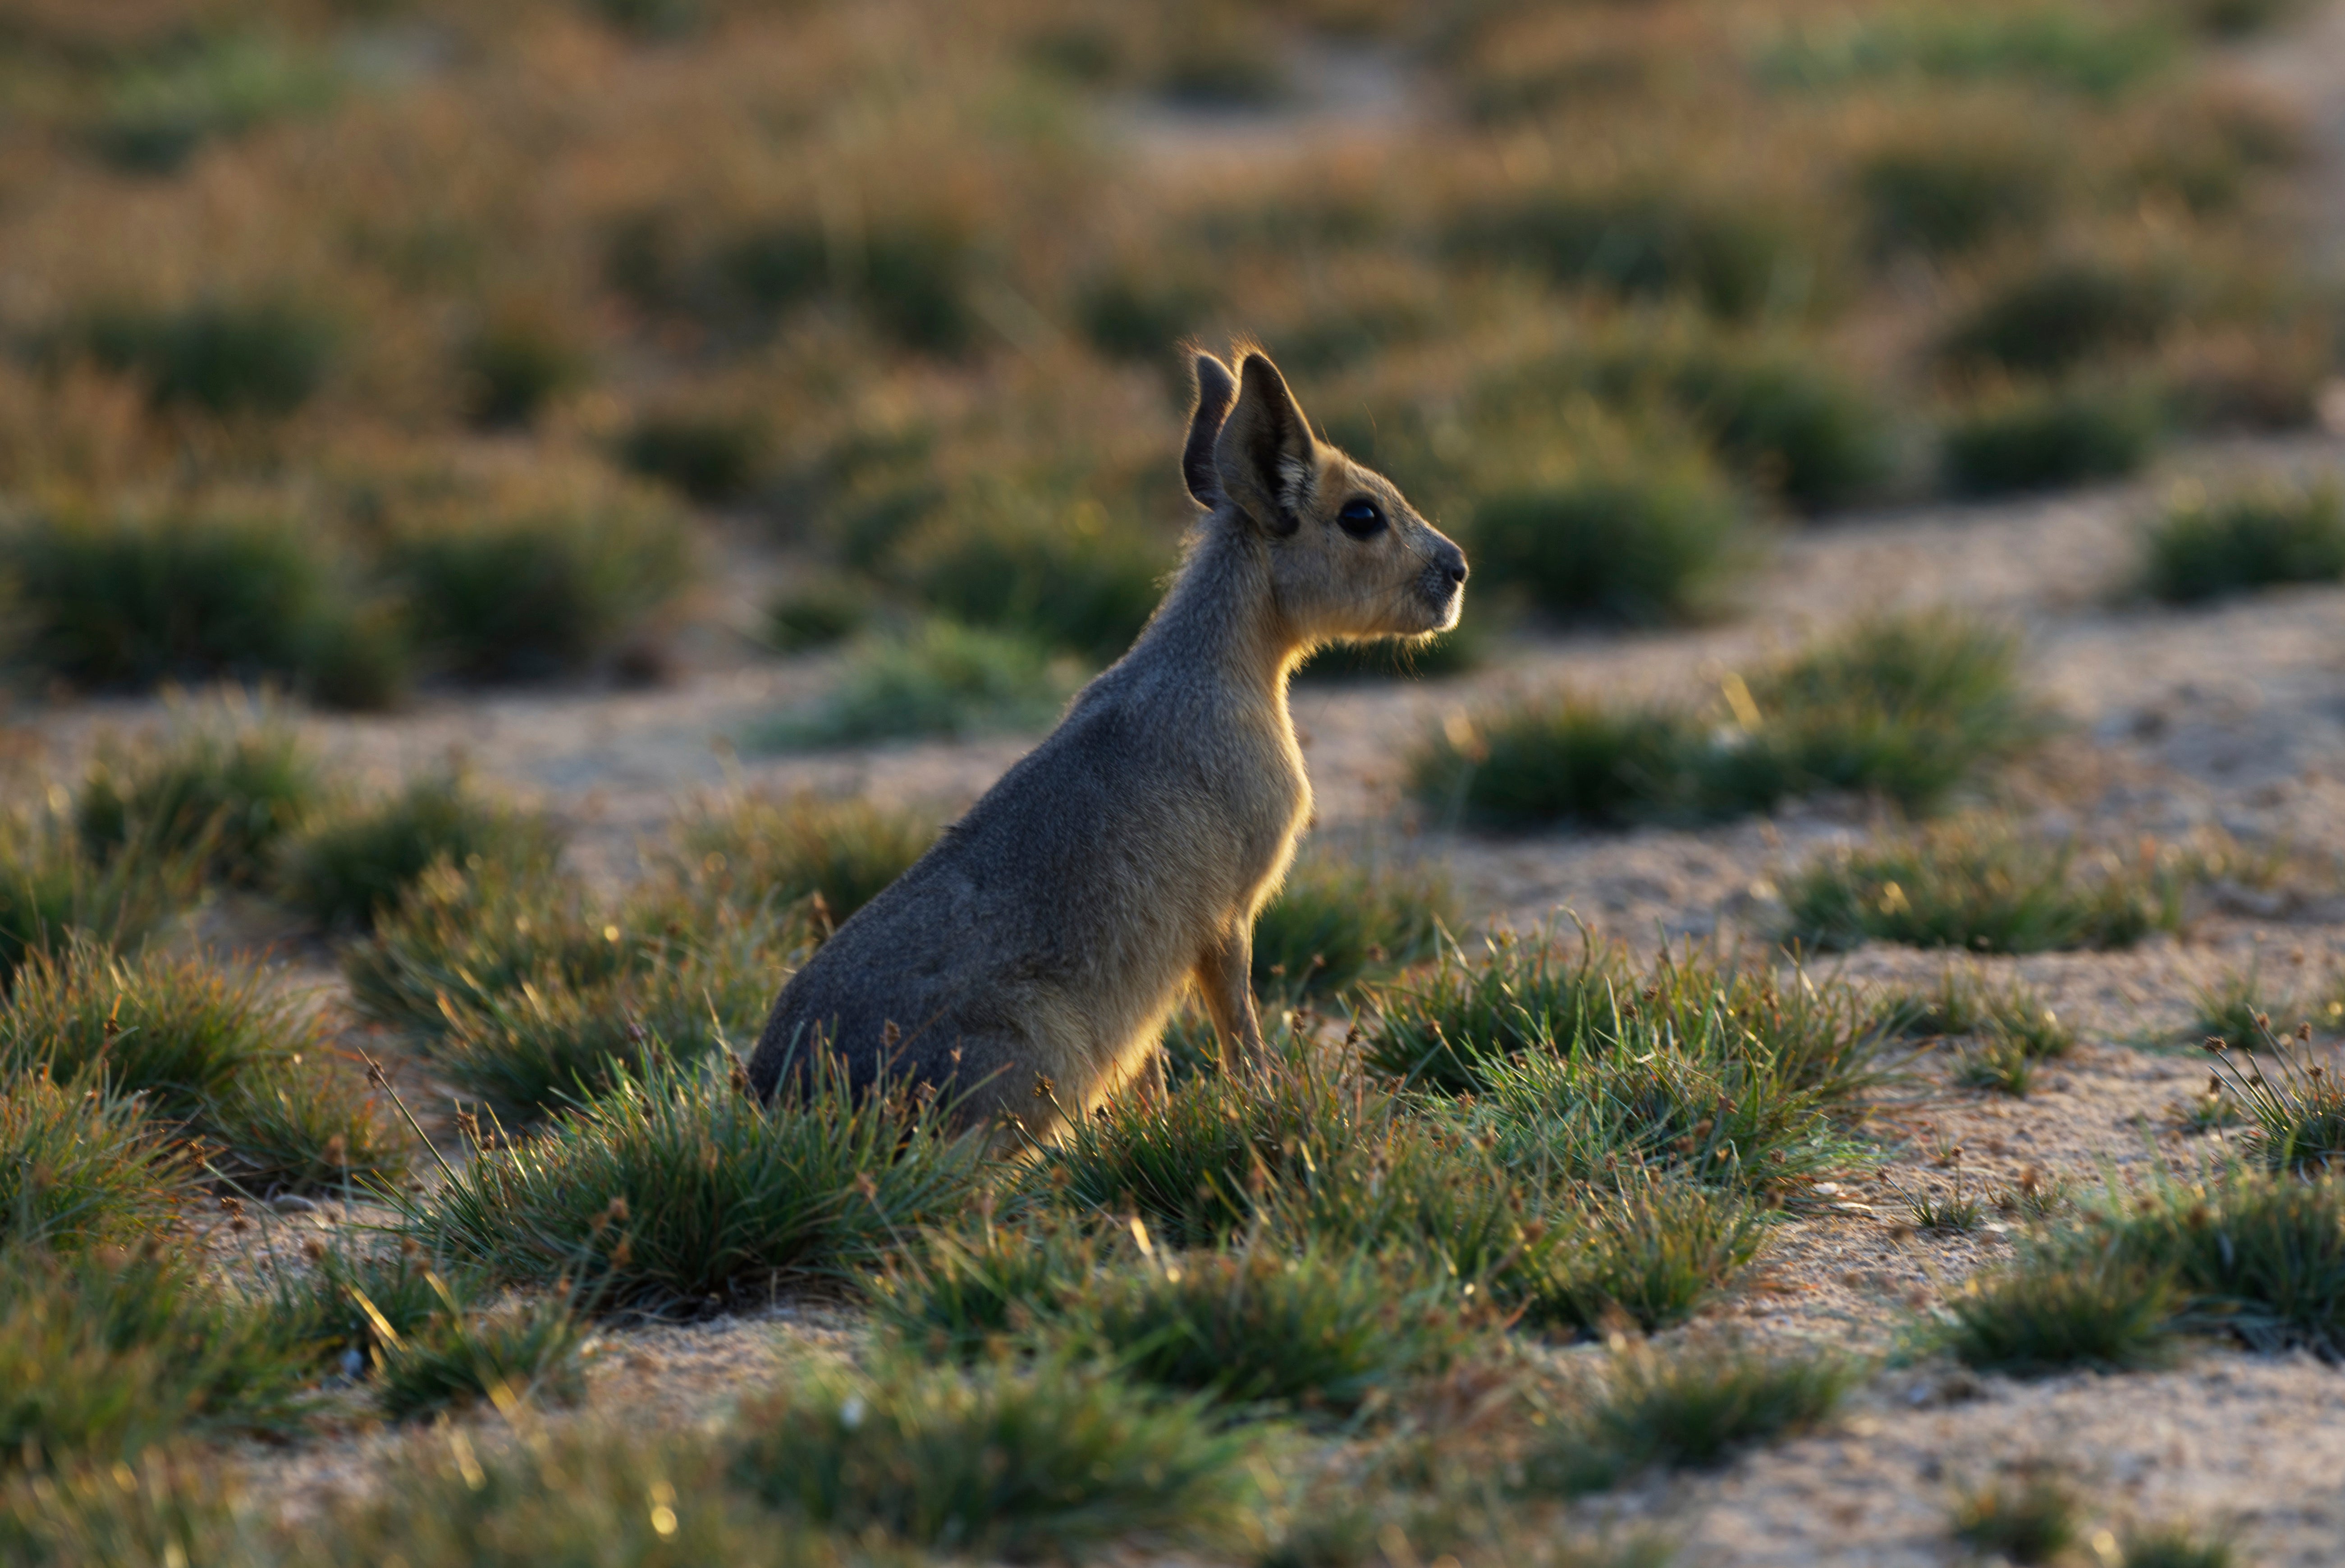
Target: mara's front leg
1225, 974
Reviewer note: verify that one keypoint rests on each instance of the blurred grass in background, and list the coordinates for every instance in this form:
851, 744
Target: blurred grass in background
416, 340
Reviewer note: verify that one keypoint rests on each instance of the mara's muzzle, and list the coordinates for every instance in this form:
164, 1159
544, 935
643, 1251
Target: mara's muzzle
1443, 586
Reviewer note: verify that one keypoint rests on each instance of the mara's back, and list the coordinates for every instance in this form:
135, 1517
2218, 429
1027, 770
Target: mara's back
1026, 962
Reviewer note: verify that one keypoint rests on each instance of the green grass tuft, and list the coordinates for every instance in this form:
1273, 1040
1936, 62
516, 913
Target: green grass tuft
217, 1051
2015, 1031
1795, 428
106, 1353
1001, 1459
129, 600
1687, 1409
1312, 1153
956, 1293
1961, 1003
526, 996
2253, 1254
1908, 707
912, 285
1335, 921
301, 1126
2059, 313
233, 789
532, 594
1652, 544
2073, 48
1643, 241
677, 1193
263, 356
462, 937
1446, 1029
529, 1351
570, 1492
2210, 1110
160, 109
1952, 1212
1983, 885
51, 893
650, 19
318, 1309
1142, 315
78, 1515
352, 867
2239, 1010
1318, 1331
780, 850
2029, 1519
2174, 1545
942, 679
2296, 1107
1949, 197
1555, 758
1651, 1255
711, 458
1997, 1063
1193, 1164
2040, 438
1075, 581
818, 613
2047, 1313
1697, 1109
2261, 1256
2206, 547
1955, 1005
78, 1167
2018, 1015
180, 1032
526, 1054
516, 364
1463, 647
1439, 1027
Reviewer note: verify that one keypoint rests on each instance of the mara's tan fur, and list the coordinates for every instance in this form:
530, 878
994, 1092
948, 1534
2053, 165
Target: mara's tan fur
1027, 962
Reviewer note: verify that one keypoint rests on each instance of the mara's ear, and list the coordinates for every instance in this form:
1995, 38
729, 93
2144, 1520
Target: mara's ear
1265, 455
1216, 391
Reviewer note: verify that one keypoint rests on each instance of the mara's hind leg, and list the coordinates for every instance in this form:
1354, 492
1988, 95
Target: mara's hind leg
1023, 1108
1148, 1084
1225, 976
1024, 1081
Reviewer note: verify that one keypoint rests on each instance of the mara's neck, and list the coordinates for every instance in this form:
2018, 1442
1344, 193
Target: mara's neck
1222, 613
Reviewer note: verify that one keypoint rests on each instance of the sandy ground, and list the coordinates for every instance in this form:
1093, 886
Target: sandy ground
2230, 717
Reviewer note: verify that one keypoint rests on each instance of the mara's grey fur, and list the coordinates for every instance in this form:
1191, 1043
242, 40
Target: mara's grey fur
1028, 961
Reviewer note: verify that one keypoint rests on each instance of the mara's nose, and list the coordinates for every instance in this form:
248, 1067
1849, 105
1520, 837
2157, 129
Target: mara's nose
1453, 566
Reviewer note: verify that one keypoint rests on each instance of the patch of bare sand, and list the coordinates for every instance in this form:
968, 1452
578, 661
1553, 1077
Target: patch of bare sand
2224, 1441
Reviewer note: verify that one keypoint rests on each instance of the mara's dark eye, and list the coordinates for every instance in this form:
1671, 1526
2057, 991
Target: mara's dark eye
1361, 519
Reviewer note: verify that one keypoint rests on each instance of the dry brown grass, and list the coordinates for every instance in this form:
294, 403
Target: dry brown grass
895, 232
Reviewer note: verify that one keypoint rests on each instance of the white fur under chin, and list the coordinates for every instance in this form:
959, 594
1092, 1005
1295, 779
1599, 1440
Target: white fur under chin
1447, 616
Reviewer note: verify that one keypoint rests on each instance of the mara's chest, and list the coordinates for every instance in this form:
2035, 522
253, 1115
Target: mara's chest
1211, 779
1264, 785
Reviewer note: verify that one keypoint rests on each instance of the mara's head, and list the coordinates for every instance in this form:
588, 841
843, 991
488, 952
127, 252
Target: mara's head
1349, 556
